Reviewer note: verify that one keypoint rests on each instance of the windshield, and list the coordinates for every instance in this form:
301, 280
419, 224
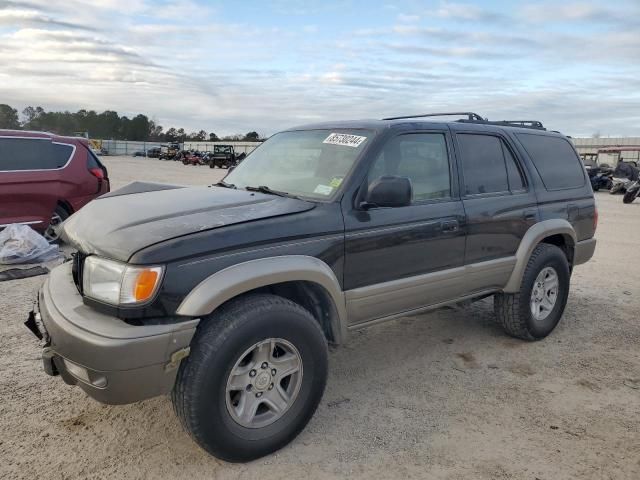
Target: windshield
222, 149
307, 163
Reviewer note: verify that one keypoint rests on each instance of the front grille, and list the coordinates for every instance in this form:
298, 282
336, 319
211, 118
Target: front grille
76, 269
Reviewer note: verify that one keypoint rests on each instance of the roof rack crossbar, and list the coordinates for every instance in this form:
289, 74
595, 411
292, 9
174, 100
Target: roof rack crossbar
471, 116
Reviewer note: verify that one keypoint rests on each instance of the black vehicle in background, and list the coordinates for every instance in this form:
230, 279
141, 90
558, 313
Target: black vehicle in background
599, 173
226, 296
224, 156
154, 152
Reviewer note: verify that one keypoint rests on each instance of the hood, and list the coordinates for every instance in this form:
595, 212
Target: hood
122, 222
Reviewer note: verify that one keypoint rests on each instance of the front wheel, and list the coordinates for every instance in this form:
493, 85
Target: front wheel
534, 311
631, 194
255, 376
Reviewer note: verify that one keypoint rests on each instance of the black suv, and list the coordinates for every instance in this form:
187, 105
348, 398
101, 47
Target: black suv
226, 296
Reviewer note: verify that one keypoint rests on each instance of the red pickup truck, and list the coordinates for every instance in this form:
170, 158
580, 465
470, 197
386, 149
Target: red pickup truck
44, 178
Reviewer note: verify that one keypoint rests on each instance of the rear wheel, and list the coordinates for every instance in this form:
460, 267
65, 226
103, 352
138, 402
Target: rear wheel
256, 373
52, 233
533, 312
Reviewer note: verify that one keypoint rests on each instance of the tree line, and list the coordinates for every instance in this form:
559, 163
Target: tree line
106, 125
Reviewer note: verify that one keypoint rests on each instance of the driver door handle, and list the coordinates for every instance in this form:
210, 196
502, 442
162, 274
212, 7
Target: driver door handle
449, 226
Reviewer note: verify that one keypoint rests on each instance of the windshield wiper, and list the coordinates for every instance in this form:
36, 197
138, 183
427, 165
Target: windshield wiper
224, 184
265, 189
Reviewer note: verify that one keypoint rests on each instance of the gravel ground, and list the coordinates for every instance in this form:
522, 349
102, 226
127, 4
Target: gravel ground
444, 395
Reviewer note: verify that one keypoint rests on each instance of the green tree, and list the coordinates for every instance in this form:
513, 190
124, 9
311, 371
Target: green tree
8, 117
213, 137
31, 116
171, 135
155, 131
138, 128
251, 137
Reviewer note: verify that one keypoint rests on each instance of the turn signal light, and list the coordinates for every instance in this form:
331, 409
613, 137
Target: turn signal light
145, 285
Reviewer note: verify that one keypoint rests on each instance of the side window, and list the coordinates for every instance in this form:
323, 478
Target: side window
32, 154
516, 182
555, 159
93, 161
60, 155
421, 157
483, 164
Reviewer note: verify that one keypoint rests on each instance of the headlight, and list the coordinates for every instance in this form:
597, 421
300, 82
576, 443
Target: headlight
118, 283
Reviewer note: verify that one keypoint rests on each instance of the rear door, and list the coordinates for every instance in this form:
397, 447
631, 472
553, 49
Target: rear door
29, 172
399, 259
498, 199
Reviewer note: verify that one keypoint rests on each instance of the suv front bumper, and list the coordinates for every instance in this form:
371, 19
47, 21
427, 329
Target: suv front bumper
112, 361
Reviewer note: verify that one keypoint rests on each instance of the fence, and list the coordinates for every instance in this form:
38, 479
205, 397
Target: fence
592, 145
126, 147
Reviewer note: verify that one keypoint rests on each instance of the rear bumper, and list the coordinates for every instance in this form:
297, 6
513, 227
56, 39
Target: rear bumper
584, 251
112, 361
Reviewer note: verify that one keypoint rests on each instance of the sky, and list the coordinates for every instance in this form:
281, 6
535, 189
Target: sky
232, 67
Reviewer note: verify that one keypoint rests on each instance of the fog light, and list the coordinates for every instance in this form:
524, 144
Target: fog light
77, 371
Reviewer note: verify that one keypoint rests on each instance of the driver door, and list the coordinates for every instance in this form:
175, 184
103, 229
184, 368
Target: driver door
400, 259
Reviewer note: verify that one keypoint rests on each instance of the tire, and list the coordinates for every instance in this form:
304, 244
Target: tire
59, 215
212, 165
201, 398
515, 311
630, 195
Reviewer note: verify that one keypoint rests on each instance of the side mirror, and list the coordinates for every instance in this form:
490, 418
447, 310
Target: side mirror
388, 191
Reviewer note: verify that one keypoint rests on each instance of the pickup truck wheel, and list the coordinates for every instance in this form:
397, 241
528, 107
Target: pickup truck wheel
533, 312
255, 376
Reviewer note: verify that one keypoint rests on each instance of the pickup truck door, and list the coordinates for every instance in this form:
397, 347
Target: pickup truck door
401, 259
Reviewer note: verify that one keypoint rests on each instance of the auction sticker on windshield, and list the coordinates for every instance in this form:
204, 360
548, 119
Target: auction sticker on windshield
345, 140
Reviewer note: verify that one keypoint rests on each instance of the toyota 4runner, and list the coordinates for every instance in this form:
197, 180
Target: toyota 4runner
226, 296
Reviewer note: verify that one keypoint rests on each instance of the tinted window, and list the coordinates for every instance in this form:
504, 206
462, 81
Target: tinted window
483, 164
92, 160
32, 154
516, 182
555, 160
60, 154
422, 157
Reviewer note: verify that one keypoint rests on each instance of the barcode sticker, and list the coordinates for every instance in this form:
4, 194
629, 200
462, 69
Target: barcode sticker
345, 140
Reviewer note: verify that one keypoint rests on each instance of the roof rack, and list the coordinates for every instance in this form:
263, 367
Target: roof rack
509, 123
472, 117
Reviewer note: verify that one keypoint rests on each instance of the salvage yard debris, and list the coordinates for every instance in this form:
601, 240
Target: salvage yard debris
22, 244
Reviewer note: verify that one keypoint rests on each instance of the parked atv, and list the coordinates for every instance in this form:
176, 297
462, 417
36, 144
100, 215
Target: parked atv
192, 158
224, 156
624, 176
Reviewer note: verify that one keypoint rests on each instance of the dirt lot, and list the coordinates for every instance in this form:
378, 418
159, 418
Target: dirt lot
444, 395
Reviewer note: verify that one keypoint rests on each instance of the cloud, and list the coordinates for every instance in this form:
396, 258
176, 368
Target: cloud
404, 18
580, 12
466, 12
29, 18
191, 65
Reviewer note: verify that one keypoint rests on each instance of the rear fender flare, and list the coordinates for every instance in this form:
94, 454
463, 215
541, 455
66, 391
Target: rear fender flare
531, 239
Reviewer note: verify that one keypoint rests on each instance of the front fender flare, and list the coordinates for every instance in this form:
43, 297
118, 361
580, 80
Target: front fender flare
232, 281
535, 234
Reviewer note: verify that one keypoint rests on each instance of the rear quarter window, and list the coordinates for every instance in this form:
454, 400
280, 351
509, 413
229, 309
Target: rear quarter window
19, 154
555, 159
